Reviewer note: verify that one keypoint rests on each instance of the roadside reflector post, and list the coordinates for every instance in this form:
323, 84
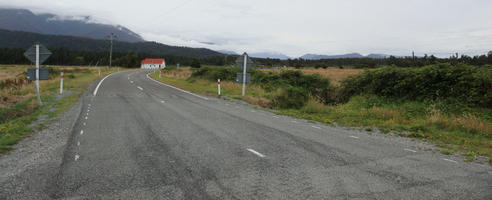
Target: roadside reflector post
244, 72
218, 86
61, 83
160, 73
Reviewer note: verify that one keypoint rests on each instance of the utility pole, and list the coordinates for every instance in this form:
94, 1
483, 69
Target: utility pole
111, 36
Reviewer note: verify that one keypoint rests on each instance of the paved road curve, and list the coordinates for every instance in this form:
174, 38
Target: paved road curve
138, 139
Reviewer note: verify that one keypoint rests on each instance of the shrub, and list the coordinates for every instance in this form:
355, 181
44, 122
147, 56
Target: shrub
291, 97
467, 84
195, 63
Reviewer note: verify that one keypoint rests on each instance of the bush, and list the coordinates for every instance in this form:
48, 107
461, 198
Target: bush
214, 73
291, 97
462, 83
195, 63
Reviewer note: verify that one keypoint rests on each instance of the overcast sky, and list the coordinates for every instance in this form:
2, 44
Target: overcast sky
296, 27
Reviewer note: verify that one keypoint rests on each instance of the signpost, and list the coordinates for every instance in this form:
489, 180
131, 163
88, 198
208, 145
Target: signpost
245, 62
37, 54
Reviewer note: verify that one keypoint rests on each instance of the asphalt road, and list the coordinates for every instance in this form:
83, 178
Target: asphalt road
138, 139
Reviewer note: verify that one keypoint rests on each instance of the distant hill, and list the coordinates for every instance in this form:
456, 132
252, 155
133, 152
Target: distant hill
319, 57
25, 20
227, 52
269, 55
372, 55
19, 39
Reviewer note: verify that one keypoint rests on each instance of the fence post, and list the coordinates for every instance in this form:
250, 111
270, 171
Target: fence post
61, 83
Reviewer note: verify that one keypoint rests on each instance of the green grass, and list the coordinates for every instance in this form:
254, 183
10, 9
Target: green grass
16, 120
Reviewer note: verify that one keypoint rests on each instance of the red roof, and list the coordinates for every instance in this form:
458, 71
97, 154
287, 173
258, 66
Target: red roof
153, 61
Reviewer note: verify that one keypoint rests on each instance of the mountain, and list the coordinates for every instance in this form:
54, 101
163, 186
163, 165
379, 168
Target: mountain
227, 52
378, 56
85, 26
20, 39
269, 55
319, 57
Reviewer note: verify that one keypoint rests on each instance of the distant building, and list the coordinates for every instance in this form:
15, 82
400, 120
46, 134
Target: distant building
150, 63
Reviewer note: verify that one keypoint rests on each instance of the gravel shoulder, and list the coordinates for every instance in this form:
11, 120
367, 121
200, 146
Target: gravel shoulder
37, 158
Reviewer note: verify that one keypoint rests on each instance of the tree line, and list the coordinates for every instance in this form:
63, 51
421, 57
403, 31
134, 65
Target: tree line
64, 56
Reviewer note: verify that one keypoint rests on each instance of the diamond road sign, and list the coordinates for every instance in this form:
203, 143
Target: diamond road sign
44, 54
240, 61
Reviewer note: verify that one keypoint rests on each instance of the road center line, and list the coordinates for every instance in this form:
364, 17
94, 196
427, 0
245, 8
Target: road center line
86, 117
163, 102
81, 132
256, 153
410, 150
316, 127
77, 157
131, 81
449, 160
78, 143
140, 88
85, 124
354, 137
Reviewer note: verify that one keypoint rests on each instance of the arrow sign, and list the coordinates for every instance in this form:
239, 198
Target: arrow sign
240, 61
44, 54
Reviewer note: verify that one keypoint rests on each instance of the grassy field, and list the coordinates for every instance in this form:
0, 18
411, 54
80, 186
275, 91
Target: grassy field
463, 131
334, 74
18, 104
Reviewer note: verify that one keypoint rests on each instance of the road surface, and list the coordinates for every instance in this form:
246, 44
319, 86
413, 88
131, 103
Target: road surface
138, 139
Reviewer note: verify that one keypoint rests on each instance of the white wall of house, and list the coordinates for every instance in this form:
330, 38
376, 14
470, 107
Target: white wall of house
154, 66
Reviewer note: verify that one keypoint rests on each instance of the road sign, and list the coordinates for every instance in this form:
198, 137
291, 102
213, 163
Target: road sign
240, 62
43, 74
239, 77
44, 54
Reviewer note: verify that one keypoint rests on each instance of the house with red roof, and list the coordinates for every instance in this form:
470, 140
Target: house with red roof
153, 63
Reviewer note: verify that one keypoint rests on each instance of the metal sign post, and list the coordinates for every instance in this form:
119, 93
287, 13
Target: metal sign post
245, 62
37, 54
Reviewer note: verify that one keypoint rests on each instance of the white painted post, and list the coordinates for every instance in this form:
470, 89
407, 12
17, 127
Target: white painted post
37, 75
218, 85
159, 73
244, 72
99, 71
61, 83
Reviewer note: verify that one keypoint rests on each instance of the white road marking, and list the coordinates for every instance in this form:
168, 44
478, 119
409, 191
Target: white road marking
81, 132
140, 88
196, 95
253, 111
131, 82
255, 152
275, 116
227, 104
410, 150
85, 124
449, 160
316, 127
163, 102
100, 82
354, 137
86, 117
78, 143
77, 157
89, 105
294, 121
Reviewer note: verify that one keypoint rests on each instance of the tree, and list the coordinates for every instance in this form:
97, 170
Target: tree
195, 63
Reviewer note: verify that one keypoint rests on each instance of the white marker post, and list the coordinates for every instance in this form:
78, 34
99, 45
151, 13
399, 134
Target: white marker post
244, 72
160, 74
218, 86
61, 83
99, 71
37, 75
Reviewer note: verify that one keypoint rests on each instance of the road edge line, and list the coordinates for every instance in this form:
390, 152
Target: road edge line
100, 82
187, 92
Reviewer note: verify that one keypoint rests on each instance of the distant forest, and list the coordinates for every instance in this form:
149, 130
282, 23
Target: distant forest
64, 56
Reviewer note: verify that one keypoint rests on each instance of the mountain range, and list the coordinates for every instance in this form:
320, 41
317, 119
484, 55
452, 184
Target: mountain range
350, 55
81, 26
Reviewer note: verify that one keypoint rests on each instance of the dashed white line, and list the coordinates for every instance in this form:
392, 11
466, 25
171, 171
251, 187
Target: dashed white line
131, 82
85, 117
78, 143
89, 105
163, 101
140, 88
77, 157
294, 121
410, 150
81, 132
253, 111
316, 127
85, 124
256, 153
450, 160
275, 117
354, 137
